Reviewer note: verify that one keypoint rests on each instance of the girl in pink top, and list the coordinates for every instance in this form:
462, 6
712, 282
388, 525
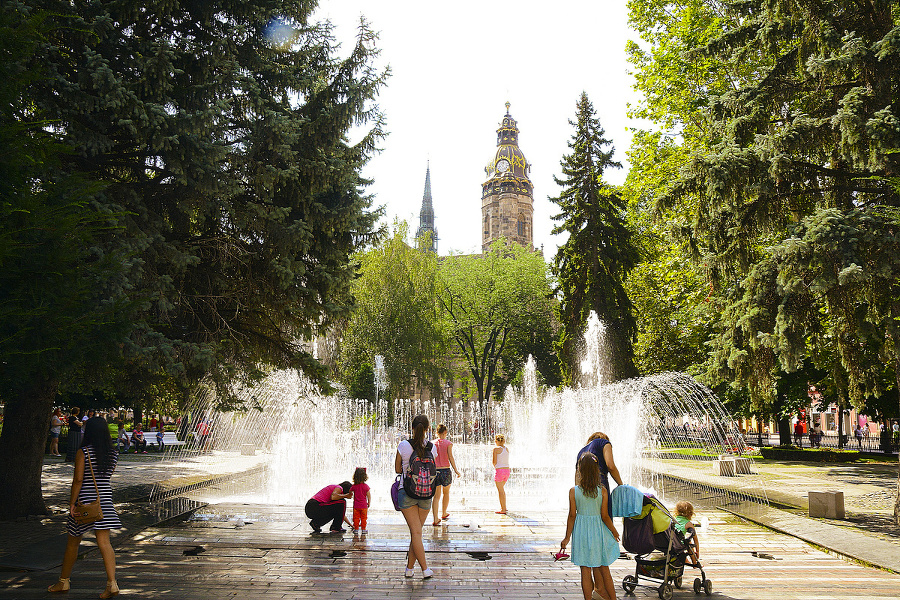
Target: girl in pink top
362, 498
443, 462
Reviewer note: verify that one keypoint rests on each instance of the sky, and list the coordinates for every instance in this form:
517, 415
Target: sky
454, 66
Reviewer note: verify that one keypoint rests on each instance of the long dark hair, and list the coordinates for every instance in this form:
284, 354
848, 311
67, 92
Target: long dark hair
589, 470
419, 426
96, 435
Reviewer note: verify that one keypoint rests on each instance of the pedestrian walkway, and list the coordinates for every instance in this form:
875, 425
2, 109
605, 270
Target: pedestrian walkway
250, 550
274, 555
32, 543
869, 492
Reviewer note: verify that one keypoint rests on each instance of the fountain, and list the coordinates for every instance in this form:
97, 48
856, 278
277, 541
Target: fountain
665, 429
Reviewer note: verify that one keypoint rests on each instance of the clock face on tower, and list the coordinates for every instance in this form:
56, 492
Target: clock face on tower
502, 165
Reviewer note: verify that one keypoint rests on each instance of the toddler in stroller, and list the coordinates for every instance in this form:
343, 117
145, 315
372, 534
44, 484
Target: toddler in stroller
661, 550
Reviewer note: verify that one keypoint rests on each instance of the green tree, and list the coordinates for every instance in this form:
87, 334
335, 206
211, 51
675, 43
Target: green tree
494, 303
219, 134
786, 195
397, 316
599, 252
61, 301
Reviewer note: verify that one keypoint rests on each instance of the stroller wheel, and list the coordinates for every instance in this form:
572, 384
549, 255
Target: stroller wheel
707, 587
678, 582
629, 583
666, 591
698, 585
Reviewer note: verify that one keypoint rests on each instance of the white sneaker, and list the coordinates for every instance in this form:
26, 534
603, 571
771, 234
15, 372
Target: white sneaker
363, 531
427, 574
409, 573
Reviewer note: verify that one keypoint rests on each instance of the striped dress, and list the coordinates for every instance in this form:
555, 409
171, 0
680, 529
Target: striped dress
87, 494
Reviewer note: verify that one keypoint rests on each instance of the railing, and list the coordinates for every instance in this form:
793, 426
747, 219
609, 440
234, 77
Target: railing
870, 443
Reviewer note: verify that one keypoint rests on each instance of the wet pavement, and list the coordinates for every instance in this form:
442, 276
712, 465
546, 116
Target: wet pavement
274, 555
234, 549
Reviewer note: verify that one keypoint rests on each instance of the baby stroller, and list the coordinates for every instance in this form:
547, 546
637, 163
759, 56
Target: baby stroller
661, 551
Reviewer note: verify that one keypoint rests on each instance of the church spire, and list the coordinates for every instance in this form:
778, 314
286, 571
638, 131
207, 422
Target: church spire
426, 217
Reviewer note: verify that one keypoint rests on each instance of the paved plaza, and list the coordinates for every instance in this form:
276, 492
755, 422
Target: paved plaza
230, 549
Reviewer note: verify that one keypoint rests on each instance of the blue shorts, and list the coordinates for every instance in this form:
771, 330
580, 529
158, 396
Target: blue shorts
54, 435
409, 502
444, 477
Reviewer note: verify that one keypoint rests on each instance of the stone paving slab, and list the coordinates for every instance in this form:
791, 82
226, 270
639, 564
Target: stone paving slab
22, 540
277, 557
841, 540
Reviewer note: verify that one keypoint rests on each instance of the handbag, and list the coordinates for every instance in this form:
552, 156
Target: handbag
395, 491
85, 514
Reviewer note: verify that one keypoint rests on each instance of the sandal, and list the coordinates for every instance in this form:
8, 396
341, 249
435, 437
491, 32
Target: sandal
445, 517
501, 512
436, 523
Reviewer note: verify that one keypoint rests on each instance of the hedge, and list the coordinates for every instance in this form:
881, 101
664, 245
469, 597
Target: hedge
816, 455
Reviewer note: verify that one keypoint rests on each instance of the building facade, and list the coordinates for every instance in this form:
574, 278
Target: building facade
507, 195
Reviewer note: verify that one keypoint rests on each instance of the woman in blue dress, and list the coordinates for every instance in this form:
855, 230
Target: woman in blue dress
594, 536
98, 446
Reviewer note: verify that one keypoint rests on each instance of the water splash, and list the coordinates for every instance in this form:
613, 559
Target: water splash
665, 430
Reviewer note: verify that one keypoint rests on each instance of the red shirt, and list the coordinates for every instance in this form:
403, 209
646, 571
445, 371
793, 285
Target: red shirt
360, 499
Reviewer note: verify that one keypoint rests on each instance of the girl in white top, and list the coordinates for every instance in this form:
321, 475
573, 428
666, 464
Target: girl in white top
414, 510
500, 459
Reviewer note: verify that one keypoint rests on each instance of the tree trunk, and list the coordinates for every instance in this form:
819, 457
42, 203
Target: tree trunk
138, 410
784, 431
26, 424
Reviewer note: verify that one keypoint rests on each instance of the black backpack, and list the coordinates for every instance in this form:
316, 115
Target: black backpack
418, 481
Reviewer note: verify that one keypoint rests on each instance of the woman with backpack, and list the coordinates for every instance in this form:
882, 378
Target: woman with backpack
416, 461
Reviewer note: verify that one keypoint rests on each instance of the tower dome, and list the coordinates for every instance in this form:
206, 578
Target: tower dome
507, 202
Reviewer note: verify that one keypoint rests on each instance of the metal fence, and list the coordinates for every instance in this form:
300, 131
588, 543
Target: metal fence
868, 443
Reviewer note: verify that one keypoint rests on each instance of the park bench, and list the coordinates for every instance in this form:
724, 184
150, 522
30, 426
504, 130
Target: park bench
169, 438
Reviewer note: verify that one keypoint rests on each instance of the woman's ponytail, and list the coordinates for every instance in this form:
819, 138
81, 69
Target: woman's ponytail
419, 426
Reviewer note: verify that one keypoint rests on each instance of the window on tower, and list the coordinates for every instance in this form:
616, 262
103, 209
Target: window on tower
521, 227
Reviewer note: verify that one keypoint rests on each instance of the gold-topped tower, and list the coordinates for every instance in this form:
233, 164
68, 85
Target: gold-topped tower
507, 196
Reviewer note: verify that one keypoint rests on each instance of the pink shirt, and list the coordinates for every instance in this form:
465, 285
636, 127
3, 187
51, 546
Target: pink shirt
323, 496
360, 499
442, 461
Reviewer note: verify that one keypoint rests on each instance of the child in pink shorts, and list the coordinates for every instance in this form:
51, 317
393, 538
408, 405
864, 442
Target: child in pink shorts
500, 459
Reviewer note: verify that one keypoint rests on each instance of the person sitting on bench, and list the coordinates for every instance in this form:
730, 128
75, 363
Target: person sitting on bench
137, 439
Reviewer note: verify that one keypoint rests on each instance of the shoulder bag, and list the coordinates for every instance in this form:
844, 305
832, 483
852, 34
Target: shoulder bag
85, 514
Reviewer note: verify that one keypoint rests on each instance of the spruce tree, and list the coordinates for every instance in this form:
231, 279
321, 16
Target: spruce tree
790, 199
217, 134
592, 264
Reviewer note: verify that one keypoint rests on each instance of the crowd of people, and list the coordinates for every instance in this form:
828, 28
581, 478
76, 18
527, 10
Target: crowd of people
425, 471
423, 489
128, 435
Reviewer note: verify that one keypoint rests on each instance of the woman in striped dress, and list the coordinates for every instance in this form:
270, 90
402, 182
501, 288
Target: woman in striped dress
98, 446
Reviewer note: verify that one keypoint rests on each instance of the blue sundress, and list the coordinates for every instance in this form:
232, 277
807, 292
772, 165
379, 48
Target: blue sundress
593, 544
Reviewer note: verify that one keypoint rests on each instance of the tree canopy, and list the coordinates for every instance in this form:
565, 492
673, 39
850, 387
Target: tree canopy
397, 316
786, 133
599, 253
497, 304
212, 140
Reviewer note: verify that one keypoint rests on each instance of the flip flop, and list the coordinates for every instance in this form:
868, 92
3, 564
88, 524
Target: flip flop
445, 517
501, 512
436, 523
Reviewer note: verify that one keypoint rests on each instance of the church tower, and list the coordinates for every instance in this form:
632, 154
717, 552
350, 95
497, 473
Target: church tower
507, 196
426, 217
